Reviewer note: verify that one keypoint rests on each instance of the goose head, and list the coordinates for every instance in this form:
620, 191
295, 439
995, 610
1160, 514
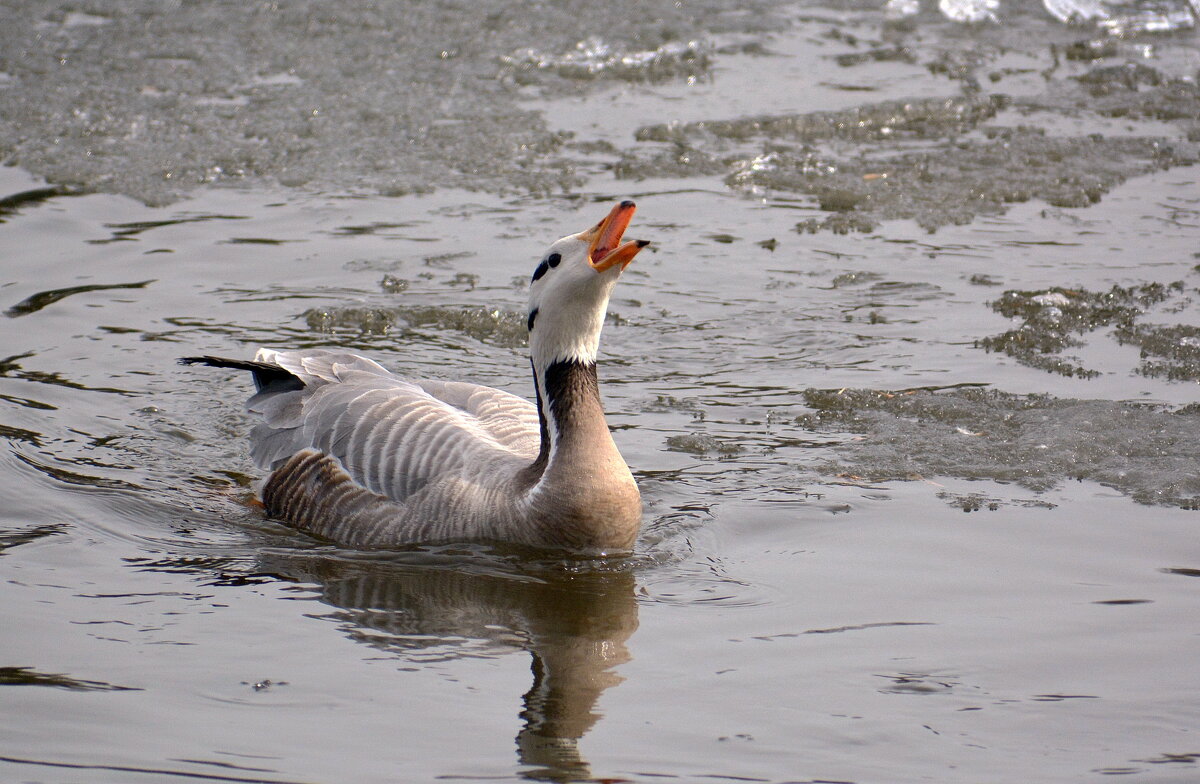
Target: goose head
568, 296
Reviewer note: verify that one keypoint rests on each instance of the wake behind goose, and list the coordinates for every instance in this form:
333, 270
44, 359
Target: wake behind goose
366, 458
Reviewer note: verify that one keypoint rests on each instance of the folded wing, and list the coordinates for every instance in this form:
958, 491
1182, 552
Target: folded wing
391, 436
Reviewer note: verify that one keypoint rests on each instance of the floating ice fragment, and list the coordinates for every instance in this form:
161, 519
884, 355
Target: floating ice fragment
898, 9
1075, 11
766, 162
702, 444
593, 58
82, 19
1050, 314
1152, 16
1053, 298
969, 10
281, 79
1121, 18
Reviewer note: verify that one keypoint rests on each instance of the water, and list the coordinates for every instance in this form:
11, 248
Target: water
908, 380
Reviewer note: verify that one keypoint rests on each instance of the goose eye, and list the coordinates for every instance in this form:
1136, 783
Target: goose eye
547, 264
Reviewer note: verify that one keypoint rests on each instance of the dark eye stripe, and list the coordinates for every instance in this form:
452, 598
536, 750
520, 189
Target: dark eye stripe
532, 317
547, 264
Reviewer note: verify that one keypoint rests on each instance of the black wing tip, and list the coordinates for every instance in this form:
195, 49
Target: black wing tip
233, 364
267, 375
212, 361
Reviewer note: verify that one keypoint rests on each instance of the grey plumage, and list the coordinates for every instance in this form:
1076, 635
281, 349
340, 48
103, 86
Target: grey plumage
403, 456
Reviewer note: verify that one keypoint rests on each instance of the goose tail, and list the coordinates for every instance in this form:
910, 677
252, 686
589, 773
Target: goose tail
268, 377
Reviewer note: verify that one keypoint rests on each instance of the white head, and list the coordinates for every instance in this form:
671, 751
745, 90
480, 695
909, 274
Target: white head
568, 296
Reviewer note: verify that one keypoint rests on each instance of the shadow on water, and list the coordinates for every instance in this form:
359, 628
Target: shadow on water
10, 539
26, 676
36, 302
574, 619
16, 202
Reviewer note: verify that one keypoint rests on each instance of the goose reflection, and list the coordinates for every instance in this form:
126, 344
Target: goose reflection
573, 622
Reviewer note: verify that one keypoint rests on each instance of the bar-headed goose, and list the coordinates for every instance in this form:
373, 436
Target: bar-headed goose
365, 458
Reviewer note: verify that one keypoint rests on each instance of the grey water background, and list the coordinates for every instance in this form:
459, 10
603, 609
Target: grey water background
908, 381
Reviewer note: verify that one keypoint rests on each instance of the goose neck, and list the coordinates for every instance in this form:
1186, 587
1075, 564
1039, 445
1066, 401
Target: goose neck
569, 408
580, 487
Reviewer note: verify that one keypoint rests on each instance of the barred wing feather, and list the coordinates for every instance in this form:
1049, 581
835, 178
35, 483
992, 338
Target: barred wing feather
391, 436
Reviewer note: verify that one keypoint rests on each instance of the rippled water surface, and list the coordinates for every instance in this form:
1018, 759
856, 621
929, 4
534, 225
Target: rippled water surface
908, 379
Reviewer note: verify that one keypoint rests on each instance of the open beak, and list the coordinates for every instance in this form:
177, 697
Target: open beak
604, 239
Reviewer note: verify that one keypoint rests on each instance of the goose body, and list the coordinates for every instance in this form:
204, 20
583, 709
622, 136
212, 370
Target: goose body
366, 458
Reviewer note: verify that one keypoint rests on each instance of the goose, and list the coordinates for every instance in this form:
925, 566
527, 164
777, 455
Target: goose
365, 458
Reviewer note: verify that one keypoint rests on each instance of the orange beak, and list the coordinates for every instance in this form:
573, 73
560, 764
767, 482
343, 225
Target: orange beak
604, 239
